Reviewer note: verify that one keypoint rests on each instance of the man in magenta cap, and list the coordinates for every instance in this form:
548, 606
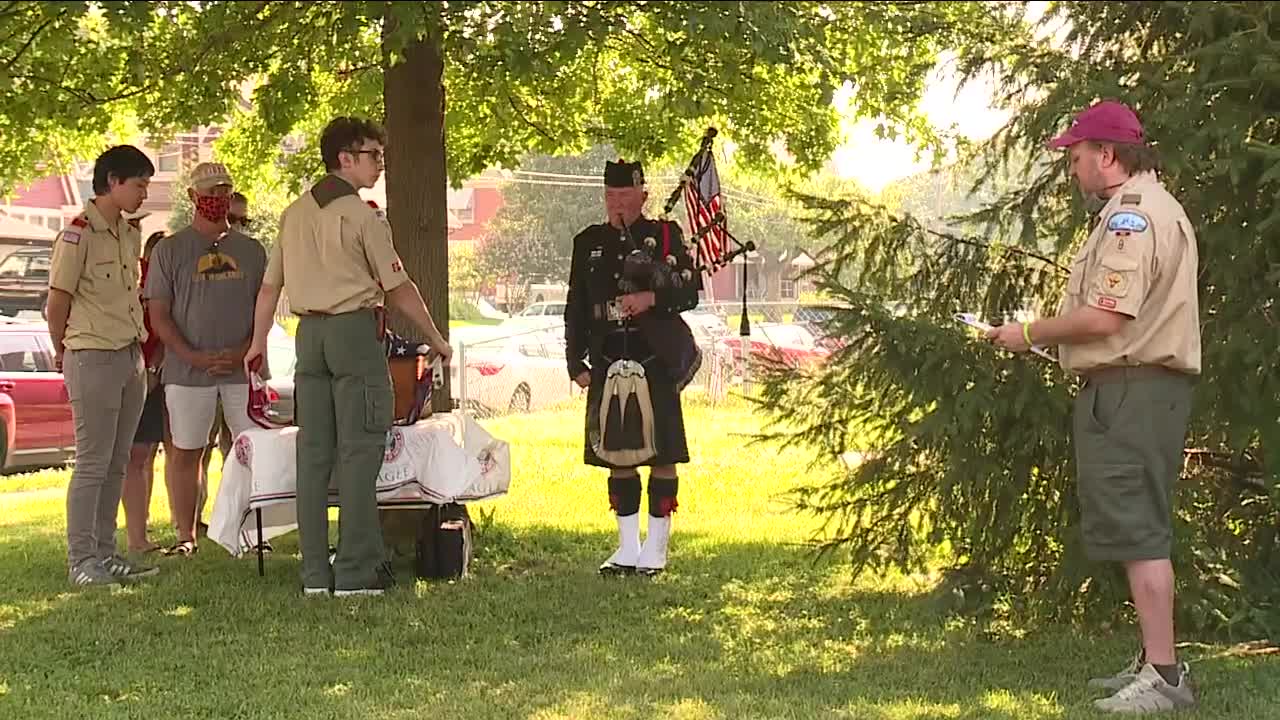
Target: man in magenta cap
1129, 328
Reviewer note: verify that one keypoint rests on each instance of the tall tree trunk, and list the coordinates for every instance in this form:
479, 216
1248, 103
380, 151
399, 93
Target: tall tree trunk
413, 94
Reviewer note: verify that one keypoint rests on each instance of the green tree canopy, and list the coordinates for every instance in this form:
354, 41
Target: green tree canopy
532, 235
463, 86
554, 197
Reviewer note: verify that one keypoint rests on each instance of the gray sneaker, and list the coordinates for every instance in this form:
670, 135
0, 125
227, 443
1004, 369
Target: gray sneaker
125, 569
385, 580
1120, 679
91, 573
1149, 693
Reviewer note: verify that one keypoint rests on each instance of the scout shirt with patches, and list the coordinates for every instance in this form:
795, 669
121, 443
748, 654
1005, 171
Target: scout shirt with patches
1140, 260
96, 263
334, 253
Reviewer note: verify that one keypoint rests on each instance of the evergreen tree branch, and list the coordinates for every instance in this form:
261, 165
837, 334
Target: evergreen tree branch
969, 444
1004, 248
1247, 470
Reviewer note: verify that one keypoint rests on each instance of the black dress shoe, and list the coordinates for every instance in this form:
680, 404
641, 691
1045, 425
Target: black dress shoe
611, 570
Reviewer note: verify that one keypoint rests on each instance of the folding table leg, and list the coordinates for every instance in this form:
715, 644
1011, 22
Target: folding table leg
261, 568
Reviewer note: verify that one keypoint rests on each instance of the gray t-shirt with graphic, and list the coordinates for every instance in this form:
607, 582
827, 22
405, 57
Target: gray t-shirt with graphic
211, 292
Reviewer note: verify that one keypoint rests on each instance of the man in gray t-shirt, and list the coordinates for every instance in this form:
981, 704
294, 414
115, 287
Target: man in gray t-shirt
201, 287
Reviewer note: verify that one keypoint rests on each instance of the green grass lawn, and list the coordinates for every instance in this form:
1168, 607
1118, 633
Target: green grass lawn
744, 624
479, 322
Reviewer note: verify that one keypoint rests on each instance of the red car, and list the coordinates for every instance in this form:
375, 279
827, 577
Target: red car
35, 412
790, 344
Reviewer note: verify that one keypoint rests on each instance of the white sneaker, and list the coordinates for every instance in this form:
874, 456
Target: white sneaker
1120, 679
623, 560
653, 556
1149, 693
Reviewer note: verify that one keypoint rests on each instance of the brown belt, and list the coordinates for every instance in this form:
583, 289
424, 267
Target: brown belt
379, 316
1118, 373
323, 313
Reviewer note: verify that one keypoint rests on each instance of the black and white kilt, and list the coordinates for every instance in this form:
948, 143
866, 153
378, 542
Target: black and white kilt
668, 415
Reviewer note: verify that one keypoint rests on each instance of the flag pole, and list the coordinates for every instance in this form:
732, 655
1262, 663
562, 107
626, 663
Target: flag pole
710, 265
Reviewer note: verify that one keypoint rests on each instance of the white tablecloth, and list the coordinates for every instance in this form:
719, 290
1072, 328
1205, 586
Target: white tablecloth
445, 458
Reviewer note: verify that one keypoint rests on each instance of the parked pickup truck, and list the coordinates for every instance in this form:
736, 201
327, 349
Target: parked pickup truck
24, 281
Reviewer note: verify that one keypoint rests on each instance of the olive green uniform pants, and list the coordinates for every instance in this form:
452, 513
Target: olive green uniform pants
1130, 427
344, 407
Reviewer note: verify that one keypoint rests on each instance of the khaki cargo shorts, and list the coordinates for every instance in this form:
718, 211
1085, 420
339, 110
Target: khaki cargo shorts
1130, 429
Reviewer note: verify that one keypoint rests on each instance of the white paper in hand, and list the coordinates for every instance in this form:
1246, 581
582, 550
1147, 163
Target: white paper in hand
972, 320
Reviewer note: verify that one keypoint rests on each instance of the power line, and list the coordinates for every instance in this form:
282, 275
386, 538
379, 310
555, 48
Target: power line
735, 196
527, 181
570, 176
739, 193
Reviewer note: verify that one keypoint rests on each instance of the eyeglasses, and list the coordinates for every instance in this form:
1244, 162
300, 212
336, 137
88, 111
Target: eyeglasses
377, 155
241, 221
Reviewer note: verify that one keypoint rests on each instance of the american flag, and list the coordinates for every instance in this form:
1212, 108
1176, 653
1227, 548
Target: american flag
399, 346
703, 203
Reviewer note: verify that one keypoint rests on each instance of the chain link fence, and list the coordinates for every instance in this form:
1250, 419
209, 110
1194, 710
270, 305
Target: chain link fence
517, 364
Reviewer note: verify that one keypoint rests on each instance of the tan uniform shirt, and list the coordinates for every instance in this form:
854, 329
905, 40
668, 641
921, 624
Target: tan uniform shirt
334, 253
96, 262
1140, 260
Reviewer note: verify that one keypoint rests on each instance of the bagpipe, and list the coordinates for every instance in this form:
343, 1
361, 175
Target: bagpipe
645, 268
626, 421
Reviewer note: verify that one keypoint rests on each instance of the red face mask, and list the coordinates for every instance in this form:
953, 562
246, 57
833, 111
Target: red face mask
213, 208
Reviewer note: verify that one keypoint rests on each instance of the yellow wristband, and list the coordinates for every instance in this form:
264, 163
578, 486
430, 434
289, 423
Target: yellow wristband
1026, 333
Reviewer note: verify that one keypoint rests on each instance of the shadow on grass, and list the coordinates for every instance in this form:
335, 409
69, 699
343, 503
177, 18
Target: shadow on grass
733, 630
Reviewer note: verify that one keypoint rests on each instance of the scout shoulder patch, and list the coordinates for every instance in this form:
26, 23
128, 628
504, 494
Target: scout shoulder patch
1127, 220
72, 234
396, 266
1131, 199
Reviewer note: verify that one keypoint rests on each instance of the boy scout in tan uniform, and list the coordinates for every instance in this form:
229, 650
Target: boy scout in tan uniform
335, 261
96, 324
1129, 328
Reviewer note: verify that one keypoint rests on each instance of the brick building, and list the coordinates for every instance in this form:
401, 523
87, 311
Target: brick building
53, 201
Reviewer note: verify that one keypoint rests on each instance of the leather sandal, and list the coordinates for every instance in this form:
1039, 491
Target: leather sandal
185, 548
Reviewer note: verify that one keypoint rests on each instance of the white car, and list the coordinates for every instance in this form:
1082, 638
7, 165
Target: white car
282, 361
510, 372
546, 315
